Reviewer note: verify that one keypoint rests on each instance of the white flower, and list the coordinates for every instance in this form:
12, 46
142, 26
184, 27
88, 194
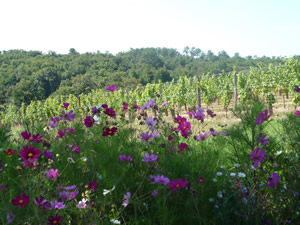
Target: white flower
219, 174
115, 221
222, 167
211, 200
237, 165
214, 180
220, 195
216, 206
233, 174
105, 192
240, 174
97, 119
82, 204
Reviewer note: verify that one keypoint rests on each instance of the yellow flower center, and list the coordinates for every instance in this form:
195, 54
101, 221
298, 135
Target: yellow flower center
110, 132
30, 154
179, 121
21, 201
177, 185
54, 221
184, 128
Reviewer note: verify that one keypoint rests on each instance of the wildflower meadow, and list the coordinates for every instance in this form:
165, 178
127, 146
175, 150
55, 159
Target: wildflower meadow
112, 168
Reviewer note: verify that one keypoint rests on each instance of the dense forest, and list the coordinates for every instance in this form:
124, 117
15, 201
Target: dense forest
32, 75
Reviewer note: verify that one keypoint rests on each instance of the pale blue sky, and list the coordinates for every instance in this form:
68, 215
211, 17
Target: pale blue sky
250, 27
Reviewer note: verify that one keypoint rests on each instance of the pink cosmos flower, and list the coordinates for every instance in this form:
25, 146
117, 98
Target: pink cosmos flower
21, 201
182, 147
112, 88
125, 106
258, 156
135, 106
297, 113
273, 180
76, 149
52, 174
177, 184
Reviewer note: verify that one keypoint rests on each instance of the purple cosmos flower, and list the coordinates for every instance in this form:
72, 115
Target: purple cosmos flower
57, 205
201, 180
73, 194
126, 198
160, 179
213, 132
184, 126
210, 113
148, 105
273, 180
54, 220
48, 155
182, 147
69, 188
258, 156
150, 158
154, 193
110, 112
109, 131
135, 106
263, 140
150, 123
89, 121
179, 119
93, 186
125, 158
201, 137
42, 203
297, 89
177, 184
112, 88
199, 116
68, 116
263, 116
10, 217
52, 174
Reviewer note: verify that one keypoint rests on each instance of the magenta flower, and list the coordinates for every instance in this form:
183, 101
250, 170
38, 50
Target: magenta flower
201, 137
135, 106
76, 149
263, 140
213, 132
154, 193
184, 126
112, 88
65, 105
29, 137
162, 105
150, 123
182, 147
177, 184
110, 112
109, 131
93, 186
210, 113
150, 158
179, 119
297, 113
21, 201
29, 153
258, 156
273, 180
73, 194
297, 89
61, 134
125, 106
52, 174
125, 158
89, 121
54, 220
263, 116
70, 130
68, 116
10, 152
201, 180
126, 198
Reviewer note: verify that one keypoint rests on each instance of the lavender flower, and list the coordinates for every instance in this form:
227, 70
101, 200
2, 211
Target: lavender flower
150, 123
150, 158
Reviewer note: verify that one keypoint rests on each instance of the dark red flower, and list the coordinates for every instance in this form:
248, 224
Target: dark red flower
182, 147
66, 105
30, 153
20, 200
10, 152
89, 121
135, 106
179, 119
30, 137
109, 131
54, 220
110, 112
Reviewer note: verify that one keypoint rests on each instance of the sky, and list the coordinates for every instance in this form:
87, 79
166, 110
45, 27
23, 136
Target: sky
249, 27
